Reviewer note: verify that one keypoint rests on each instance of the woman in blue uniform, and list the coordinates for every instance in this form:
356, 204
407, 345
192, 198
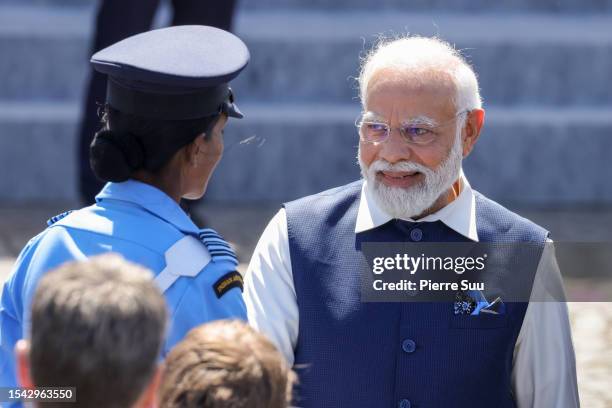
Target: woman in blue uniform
168, 101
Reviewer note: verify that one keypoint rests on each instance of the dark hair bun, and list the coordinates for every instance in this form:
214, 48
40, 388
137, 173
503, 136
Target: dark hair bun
114, 157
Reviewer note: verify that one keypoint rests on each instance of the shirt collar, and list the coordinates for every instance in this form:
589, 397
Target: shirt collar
459, 215
150, 199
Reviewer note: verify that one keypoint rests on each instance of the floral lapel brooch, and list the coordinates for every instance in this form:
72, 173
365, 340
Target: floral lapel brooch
473, 302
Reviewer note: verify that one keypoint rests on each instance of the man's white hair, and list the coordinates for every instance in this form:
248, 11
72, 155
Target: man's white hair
423, 54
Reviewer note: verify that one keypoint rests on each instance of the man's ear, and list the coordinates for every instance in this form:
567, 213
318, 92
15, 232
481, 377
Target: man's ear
471, 129
148, 398
22, 358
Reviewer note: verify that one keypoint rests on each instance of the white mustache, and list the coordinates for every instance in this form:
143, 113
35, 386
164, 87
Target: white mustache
383, 165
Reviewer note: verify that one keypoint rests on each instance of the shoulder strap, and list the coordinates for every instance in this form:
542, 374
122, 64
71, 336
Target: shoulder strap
186, 257
58, 217
218, 248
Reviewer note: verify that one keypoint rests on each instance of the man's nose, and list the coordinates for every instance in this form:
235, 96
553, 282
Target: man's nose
395, 148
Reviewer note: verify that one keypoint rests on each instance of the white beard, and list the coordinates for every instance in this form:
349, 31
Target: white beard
410, 202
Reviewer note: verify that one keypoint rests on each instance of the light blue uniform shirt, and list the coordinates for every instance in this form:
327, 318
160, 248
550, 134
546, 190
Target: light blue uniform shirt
141, 223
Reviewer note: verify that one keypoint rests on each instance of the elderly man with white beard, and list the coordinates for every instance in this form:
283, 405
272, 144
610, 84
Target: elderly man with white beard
422, 115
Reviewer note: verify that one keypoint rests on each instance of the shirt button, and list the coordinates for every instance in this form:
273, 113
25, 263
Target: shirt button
404, 404
408, 346
416, 234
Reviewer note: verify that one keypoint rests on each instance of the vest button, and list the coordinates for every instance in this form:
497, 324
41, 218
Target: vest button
404, 404
408, 346
416, 234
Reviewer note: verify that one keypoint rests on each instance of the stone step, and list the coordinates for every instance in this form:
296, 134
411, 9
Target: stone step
550, 60
526, 156
473, 6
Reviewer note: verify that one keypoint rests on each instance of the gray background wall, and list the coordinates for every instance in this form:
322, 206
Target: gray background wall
544, 66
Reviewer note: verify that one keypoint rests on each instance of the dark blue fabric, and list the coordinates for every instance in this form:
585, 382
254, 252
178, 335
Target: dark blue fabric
182, 57
173, 73
356, 354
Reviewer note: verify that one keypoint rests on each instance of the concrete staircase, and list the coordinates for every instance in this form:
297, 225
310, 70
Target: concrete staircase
545, 69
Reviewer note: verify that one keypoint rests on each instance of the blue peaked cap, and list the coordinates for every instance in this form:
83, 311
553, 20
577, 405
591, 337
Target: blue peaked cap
174, 73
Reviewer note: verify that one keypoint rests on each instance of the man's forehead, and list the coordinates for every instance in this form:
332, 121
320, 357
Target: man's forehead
409, 96
421, 80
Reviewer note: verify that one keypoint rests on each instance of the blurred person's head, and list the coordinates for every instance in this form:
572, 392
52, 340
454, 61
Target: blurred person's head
225, 364
96, 325
422, 114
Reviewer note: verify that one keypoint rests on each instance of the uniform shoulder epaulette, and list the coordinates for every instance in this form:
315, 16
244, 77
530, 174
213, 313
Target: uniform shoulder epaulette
218, 248
58, 217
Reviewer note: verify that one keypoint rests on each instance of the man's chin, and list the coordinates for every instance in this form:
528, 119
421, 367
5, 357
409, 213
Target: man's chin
399, 202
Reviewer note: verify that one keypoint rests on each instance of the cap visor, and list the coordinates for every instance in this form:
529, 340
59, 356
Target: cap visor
233, 111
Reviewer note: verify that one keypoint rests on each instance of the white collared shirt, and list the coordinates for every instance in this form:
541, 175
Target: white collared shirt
544, 367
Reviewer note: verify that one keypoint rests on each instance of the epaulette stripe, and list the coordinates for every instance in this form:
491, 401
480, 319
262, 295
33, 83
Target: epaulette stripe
208, 230
214, 240
217, 246
221, 252
225, 258
208, 233
210, 242
214, 253
58, 217
210, 236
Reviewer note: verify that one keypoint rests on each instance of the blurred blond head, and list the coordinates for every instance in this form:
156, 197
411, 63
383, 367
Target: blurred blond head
226, 364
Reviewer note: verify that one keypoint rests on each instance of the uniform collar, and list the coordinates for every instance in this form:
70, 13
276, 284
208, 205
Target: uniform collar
459, 215
150, 199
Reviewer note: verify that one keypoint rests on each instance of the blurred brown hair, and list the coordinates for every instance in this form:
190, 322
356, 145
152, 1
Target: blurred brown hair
97, 325
226, 364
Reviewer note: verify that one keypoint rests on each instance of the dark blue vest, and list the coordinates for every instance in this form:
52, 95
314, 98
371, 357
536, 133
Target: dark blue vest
407, 355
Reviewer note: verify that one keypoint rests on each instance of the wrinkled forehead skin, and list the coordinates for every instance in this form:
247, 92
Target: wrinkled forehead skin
410, 93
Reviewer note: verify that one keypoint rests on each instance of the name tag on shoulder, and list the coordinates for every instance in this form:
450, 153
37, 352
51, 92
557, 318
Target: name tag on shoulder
228, 281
